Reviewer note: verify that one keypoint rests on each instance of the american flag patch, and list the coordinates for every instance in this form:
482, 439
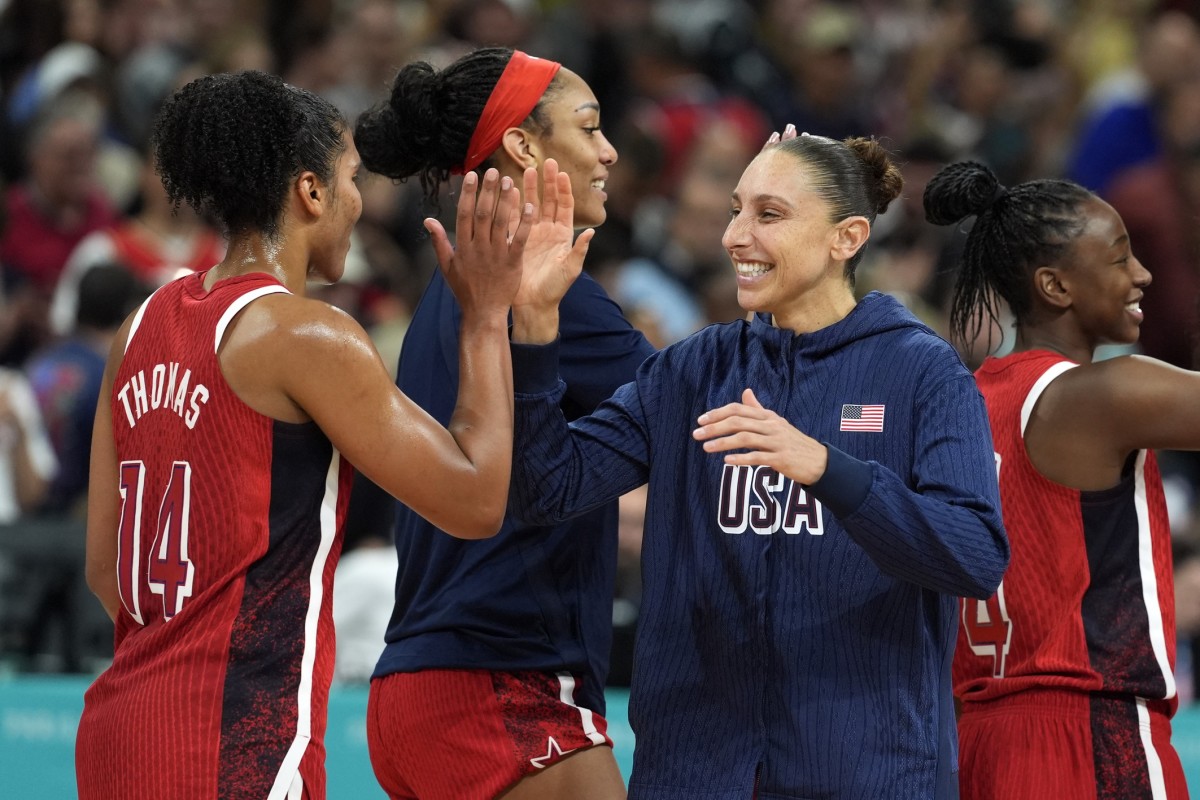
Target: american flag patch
862, 418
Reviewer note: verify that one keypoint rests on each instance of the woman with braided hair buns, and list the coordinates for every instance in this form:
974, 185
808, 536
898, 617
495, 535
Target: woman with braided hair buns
231, 412
1066, 673
492, 677
820, 493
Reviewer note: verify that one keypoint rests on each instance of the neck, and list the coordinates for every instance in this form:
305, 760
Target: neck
250, 253
813, 313
1053, 341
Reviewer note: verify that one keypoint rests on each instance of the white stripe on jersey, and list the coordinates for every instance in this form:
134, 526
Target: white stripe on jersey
1158, 637
288, 770
1158, 786
137, 319
566, 693
238, 305
1035, 391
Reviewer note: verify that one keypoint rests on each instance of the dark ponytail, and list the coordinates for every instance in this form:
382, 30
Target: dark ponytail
1016, 230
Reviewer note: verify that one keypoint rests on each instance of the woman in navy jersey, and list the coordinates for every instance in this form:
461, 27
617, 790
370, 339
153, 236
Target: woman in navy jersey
231, 411
1066, 673
492, 677
821, 490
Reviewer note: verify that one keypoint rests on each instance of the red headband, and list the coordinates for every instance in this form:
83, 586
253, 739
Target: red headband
514, 96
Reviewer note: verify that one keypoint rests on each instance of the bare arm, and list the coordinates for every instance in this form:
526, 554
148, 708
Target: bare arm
1091, 418
323, 364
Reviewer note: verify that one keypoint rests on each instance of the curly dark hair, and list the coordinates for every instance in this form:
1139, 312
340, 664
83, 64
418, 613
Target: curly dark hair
229, 145
1016, 231
425, 126
855, 176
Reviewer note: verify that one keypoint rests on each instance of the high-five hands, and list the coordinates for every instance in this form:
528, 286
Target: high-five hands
553, 255
492, 228
770, 439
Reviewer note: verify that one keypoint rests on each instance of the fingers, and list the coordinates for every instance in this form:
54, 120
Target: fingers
441, 242
529, 180
749, 399
580, 248
789, 132
508, 202
550, 189
566, 200
466, 205
516, 245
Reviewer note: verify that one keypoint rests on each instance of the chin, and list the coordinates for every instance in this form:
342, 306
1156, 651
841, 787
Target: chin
590, 219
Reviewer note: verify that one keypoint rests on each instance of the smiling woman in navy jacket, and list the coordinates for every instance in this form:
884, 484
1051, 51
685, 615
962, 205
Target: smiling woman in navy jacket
822, 489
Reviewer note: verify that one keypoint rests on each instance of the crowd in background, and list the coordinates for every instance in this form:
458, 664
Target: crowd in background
1105, 92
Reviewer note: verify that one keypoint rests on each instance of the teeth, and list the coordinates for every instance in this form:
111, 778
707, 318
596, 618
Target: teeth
752, 269
598, 185
1134, 307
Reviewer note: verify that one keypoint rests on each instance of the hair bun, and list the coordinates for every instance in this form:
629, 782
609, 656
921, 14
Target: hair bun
961, 190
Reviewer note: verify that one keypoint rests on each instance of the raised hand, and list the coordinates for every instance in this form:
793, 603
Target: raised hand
484, 267
553, 254
552, 260
769, 439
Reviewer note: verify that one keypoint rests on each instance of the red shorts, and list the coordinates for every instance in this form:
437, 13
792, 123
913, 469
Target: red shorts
467, 734
1049, 745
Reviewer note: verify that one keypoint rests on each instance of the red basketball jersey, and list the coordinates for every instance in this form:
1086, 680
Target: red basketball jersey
229, 535
1087, 602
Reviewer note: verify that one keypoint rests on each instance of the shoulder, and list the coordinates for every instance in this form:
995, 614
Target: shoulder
298, 322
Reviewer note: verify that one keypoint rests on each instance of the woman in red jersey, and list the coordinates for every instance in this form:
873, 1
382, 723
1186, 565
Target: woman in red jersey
234, 407
1066, 673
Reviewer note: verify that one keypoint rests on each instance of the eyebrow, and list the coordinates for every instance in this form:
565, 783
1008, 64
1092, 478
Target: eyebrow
589, 107
1124, 237
761, 199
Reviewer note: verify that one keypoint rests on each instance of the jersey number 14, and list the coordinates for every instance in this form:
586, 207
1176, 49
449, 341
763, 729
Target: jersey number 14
169, 573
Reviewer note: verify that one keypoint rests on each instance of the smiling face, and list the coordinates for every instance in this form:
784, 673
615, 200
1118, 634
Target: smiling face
784, 247
1105, 280
575, 141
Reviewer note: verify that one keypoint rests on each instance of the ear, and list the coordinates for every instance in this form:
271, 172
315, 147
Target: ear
310, 193
1048, 287
521, 148
849, 236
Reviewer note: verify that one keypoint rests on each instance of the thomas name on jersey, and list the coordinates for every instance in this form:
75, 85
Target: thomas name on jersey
167, 390
763, 500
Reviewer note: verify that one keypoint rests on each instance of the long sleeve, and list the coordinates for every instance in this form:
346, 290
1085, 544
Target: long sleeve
599, 350
562, 470
946, 532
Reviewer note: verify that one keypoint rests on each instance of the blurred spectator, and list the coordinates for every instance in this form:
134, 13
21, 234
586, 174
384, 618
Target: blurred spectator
66, 378
157, 244
60, 201
674, 102
662, 292
27, 461
1159, 200
1118, 128
825, 89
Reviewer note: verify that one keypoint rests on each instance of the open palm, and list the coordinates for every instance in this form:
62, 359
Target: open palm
553, 255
